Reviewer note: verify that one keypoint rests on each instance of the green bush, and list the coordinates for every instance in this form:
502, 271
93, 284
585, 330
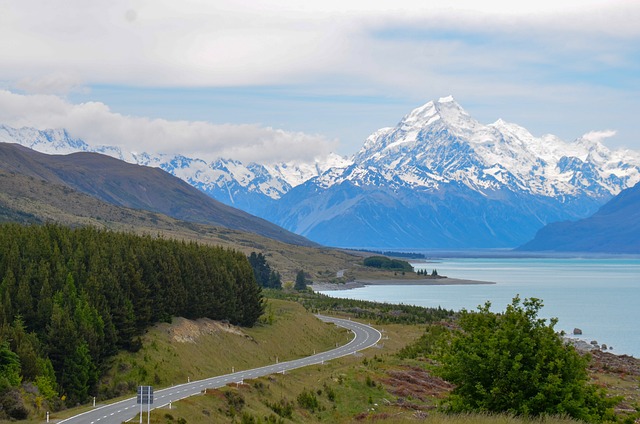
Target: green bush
515, 362
283, 407
308, 400
429, 344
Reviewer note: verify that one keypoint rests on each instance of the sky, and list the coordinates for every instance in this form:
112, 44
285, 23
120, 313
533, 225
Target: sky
272, 81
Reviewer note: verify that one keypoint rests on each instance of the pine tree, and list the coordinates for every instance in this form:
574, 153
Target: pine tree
301, 281
275, 280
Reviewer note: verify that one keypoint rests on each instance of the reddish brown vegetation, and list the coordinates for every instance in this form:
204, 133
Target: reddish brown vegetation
416, 383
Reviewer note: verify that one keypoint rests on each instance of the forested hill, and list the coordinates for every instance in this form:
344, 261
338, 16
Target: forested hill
70, 298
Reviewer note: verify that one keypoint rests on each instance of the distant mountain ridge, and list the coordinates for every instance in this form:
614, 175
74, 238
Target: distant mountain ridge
614, 228
437, 179
137, 187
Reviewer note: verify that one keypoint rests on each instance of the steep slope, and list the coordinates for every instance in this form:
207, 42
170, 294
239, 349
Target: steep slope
441, 179
615, 228
137, 187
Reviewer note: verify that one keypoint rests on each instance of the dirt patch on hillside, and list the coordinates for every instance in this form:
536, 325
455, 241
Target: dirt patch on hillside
608, 362
416, 383
183, 330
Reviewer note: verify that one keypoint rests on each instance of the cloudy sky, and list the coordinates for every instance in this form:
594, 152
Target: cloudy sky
267, 80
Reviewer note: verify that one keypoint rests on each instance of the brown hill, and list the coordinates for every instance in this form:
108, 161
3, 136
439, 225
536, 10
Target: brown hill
126, 185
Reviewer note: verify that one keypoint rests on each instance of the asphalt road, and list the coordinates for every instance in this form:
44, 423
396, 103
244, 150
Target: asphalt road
116, 413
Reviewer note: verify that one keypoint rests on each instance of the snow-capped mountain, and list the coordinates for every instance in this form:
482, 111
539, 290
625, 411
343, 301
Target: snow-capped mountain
437, 179
439, 143
442, 179
251, 187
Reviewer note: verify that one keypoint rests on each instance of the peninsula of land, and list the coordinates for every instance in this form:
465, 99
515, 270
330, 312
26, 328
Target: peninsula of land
442, 281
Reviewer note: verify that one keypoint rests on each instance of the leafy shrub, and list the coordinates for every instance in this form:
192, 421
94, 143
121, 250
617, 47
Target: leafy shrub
236, 402
12, 404
331, 394
514, 362
431, 342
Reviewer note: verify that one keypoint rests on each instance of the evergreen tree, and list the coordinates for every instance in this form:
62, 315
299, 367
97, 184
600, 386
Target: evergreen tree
69, 298
301, 281
7, 288
9, 367
261, 269
79, 375
275, 280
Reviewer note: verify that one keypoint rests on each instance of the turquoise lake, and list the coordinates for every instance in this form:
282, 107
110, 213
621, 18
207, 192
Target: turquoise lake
599, 296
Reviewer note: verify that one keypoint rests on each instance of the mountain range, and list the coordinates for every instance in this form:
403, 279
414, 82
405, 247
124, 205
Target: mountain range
126, 185
439, 178
614, 228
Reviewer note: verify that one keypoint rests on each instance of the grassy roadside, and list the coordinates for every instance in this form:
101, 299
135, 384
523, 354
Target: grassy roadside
173, 353
371, 386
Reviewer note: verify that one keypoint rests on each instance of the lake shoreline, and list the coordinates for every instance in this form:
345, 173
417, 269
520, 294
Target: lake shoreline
445, 281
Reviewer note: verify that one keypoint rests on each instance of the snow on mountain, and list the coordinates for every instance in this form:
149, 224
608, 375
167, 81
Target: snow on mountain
439, 143
247, 186
52, 141
439, 178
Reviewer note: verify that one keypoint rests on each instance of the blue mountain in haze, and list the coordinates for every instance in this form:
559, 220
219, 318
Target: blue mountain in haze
614, 228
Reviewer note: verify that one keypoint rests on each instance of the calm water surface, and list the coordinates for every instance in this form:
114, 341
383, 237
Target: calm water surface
599, 296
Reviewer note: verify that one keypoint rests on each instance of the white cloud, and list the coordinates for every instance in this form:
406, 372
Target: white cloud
599, 136
527, 57
95, 123
223, 43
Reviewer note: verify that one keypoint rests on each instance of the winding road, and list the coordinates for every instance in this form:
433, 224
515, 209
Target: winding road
364, 337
